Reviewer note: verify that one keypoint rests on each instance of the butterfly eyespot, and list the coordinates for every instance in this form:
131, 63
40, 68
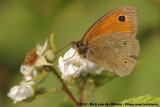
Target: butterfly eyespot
121, 18
125, 62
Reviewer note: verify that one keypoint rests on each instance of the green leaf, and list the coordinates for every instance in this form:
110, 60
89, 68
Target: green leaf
142, 101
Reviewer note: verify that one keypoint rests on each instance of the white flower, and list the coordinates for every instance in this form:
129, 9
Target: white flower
21, 92
33, 65
42, 62
43, 53
72, 65
35, 59
26, 69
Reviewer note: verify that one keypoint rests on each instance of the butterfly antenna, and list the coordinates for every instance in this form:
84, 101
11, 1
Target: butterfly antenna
62, 48
71, 56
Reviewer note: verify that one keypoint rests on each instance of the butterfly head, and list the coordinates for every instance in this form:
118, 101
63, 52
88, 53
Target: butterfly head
80, 47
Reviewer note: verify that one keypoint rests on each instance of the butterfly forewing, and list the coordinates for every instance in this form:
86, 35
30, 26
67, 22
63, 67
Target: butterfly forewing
123, 19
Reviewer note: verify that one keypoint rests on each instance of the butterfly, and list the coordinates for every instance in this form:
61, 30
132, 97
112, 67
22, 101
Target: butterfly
110, 42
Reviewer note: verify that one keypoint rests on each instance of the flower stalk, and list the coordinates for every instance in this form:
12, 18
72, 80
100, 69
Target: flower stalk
64, 87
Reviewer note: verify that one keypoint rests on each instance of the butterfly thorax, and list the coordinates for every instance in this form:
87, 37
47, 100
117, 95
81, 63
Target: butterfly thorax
80, 47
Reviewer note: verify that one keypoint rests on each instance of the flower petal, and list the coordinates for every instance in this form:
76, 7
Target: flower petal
69, 54
61, 64
72, 65
41, 49
42, 62
26, 69
20, 92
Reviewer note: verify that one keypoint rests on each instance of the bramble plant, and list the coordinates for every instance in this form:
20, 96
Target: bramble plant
87, 76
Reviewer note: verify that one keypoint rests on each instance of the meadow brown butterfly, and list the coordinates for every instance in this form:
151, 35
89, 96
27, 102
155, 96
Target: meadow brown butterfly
110, 42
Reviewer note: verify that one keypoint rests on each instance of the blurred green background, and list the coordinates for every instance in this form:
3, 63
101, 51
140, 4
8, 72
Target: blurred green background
24, 23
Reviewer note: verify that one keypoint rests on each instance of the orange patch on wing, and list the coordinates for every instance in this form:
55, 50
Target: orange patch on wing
109, 24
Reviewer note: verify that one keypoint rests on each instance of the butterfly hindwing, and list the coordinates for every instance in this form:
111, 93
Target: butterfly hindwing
115, 52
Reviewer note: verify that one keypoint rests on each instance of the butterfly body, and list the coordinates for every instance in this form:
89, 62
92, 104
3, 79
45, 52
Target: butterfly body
111, 43
81, 48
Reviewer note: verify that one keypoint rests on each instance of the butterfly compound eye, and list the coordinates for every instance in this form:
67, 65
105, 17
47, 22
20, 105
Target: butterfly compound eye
121, 18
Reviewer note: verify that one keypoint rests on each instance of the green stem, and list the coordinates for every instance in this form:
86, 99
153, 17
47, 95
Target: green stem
53, 90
